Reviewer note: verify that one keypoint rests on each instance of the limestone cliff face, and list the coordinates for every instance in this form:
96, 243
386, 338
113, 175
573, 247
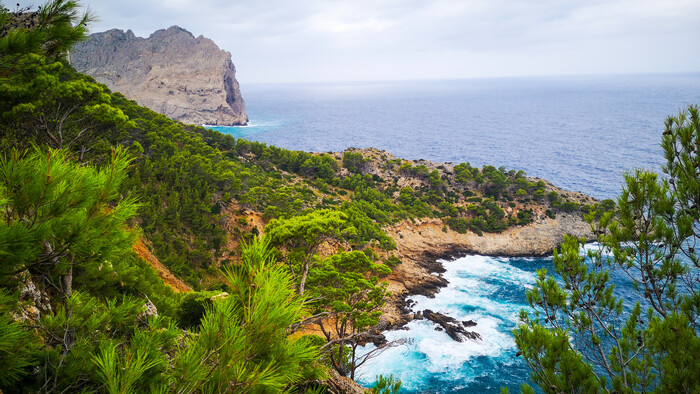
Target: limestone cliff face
172, 72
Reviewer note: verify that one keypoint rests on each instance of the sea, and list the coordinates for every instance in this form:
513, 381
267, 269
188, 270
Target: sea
580, 133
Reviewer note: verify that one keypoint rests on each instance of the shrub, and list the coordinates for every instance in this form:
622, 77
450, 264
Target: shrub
392, 261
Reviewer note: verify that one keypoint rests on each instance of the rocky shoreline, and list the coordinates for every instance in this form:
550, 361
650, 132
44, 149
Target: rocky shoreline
421, 246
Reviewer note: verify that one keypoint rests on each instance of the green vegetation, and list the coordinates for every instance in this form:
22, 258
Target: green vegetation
58, 218
58, 229
272, 241
84, 172
354, 162
303, 235
17, 345
349, 298
386, 385
580, 337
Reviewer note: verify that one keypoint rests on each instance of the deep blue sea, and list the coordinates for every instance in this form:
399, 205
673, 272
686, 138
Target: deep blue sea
580, 133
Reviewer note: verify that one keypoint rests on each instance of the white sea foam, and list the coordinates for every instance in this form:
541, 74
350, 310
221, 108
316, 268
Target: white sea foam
473, 280
590, 246
253, 125
468, 287
236, 125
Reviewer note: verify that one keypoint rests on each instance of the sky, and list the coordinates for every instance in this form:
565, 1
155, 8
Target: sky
365, 40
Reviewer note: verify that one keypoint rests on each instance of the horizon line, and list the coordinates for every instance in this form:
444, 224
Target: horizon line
448, 79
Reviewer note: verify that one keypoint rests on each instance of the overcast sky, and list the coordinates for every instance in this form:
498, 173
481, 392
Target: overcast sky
326, 40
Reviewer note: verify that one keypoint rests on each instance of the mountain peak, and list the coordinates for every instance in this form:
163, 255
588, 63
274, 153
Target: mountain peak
171, 72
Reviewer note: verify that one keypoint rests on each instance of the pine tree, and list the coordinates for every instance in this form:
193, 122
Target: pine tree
243, 343
51, 32
302, 235
580, 337
58, 217
18, 345
349, 300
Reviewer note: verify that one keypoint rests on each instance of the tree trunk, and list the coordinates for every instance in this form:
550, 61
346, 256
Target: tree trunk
67, 278
303, 277
67, 282
352, 363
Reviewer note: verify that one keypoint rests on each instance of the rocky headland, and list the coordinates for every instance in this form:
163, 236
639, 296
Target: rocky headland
172, 72
423, 243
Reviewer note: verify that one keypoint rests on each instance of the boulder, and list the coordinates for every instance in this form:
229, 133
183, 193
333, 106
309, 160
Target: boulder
468, 323
150, 310
451, 326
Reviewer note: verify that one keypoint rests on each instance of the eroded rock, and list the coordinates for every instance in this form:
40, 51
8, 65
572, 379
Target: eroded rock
172, 72
452, 327
150, 310
32, 301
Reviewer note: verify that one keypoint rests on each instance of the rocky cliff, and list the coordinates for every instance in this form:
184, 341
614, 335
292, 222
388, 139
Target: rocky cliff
421, 243
172, 72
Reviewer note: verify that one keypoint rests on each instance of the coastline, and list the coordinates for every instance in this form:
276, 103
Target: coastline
421, 246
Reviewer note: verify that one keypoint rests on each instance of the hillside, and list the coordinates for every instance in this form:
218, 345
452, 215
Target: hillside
142, 254
246, 184
145, 254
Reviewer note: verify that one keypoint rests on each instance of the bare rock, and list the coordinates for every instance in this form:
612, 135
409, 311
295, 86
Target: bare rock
172, 72
468, 323
427, 240
220, 297
33, 302
451, 326
149, 310
341, 384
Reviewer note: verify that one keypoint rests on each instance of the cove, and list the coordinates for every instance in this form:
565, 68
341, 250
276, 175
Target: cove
491, 292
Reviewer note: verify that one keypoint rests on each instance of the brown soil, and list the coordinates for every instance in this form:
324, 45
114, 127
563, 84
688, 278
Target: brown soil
244, 220
171, 280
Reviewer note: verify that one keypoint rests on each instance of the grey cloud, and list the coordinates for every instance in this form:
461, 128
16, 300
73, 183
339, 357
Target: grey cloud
276, 40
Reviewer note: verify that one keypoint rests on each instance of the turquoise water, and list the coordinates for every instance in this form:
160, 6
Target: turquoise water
487, 290
579, 133
491, 292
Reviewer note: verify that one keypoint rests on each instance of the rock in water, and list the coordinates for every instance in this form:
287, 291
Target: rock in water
451, 326
469, 323
171, 72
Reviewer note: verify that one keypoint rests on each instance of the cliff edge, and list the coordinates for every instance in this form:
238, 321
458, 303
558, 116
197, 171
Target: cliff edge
420, 245
172, 72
